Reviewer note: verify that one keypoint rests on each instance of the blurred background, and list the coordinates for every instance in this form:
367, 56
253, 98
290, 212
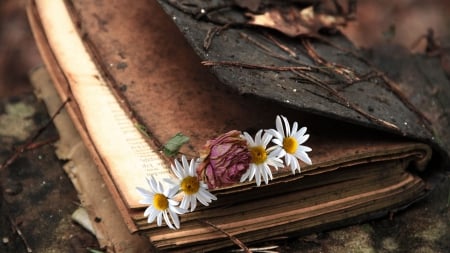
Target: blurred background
18, 53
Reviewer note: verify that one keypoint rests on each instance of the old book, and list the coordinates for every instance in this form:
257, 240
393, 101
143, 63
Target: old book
132, 82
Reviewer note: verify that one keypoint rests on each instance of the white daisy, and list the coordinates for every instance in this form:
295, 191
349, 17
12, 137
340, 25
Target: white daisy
261, 158
189, 184
161, 204
289, 142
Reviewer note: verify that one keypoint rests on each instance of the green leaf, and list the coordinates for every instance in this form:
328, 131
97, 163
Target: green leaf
172, 147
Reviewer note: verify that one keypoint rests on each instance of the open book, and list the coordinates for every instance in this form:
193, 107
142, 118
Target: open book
133, 82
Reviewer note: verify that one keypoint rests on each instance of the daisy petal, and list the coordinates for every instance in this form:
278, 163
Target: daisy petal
192, 168
175, 219
264, 174
144, 192
152, 182
185, 202
249, 139
302, 131
173, 190
266, 139
176, 171
253, 169
304, 157
279, 126
208, 196
295, 166
286, 125
258, 176
152, 215
167, 220
294, 128
185, 167
275, 134
302, 148
147, 211
258, 137
159, 218
302, 138
193, 203
245, 175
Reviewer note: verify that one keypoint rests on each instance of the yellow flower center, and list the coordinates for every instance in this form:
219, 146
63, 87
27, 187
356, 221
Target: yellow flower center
290, 145
258, 154
190, 185
160, 202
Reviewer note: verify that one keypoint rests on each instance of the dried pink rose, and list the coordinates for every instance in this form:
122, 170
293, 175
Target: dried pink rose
227, 158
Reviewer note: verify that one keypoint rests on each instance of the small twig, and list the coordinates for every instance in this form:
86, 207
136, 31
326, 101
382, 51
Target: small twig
255, 42
362, 78
390, 84
432, 46
230, 236
280, 45
345, 101
326, 97
253, 66
19, 232
393, 86
208, 38
31, 142
211, 33
264, 48
268, 51
26, 147
343, 71
264, 249
39, 144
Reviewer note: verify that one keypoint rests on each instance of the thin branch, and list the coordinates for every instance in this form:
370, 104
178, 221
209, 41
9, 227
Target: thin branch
343, 71
255, 42
19, 232
280, 45
230, 236
254, 66
345, 101
31, 142
394, 87
265, 49
39, 144
211, 34
389, 83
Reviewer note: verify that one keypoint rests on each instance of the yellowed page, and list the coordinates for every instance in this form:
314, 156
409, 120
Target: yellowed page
121, 146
